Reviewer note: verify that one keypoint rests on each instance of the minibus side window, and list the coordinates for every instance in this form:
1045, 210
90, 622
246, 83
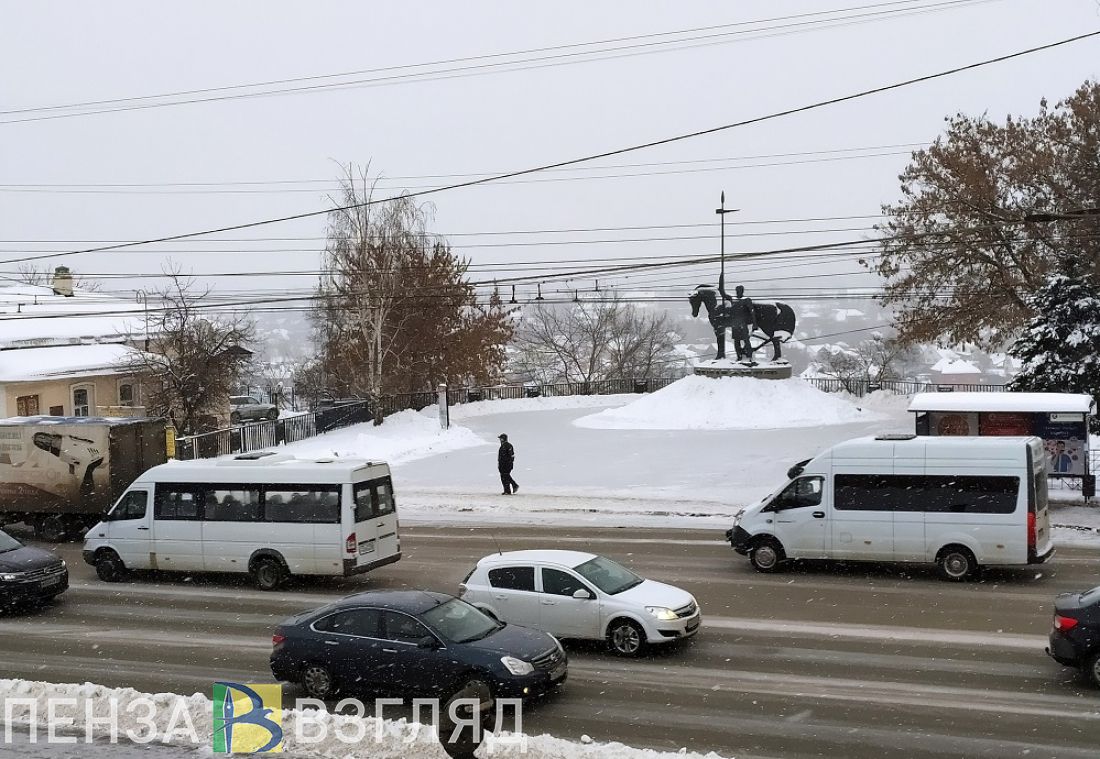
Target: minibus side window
177, 502
233, 503
805, 491
305, 504
947, 494
373, 499
130, 506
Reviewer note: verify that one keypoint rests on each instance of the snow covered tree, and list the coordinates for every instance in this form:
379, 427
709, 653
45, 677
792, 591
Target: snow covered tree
1060, 346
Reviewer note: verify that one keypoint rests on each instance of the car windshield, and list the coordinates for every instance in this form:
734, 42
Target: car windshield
460, 622
608, 576
8, 543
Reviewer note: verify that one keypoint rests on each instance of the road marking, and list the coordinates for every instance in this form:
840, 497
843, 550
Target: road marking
560, 539
977, 639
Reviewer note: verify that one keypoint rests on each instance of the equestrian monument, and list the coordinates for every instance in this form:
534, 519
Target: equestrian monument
748, 321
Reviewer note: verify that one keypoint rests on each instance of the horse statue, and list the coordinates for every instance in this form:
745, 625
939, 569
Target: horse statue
775, 321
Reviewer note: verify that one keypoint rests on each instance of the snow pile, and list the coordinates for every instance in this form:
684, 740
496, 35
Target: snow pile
731, 403
187, 721
546, 403
402, 437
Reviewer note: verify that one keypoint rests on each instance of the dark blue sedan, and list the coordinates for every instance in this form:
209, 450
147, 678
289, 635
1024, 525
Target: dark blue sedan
412, 644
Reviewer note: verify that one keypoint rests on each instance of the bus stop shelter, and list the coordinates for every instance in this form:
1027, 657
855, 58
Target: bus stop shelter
1060, 419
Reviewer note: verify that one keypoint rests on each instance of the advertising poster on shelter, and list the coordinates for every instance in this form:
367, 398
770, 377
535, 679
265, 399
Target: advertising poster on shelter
1006, 423
953, 423
1066, 440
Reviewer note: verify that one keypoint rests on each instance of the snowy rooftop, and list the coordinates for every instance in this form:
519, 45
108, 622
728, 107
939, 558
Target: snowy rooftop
957, 366
1073, 403
33, 315
61, 361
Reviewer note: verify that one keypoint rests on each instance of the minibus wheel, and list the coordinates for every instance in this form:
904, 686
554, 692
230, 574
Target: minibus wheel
109, 566
957, 564
766, 555
268, 573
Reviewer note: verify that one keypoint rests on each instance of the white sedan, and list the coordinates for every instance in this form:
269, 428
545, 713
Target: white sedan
571, 594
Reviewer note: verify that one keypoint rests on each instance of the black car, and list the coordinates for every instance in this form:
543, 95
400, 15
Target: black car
29, 574
414, 643
1075, 637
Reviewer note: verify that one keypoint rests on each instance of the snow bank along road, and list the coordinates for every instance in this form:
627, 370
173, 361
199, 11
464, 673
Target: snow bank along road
822, 661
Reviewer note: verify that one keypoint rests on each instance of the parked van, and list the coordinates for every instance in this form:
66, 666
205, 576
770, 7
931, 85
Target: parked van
271, 515
959, 502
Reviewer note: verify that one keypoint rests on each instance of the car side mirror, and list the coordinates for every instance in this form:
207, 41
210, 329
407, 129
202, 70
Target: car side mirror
428, 643
582, 594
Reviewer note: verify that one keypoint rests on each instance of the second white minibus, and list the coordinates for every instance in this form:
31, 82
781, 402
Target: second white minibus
268, 514
960, 502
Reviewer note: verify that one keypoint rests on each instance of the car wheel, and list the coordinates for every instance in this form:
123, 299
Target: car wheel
53, 529
109, 566
766, 556
273, 414
626, 638
957, 564
268, 573
1092, 669
318, 682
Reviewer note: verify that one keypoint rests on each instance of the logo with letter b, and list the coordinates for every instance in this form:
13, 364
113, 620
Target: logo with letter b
247, 718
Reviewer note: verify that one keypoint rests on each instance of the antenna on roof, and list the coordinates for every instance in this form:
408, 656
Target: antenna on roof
494, 537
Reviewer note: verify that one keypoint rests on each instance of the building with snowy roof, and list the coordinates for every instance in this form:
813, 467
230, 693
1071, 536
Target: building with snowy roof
68, 352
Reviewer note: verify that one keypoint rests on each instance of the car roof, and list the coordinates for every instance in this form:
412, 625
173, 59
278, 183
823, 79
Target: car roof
413, 602
561, 558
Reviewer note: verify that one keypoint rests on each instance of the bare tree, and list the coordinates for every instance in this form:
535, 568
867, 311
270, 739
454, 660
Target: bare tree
395, 312
194, 360
590, 340
872, 361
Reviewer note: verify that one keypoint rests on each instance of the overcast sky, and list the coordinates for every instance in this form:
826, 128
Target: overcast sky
60, 53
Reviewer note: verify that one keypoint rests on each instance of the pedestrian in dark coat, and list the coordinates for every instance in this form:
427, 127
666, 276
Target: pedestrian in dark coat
506, 459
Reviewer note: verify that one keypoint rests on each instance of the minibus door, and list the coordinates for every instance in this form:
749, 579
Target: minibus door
128, 528
375, 521
800, 518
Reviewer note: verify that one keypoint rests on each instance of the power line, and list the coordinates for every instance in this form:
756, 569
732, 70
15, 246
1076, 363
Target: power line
387, 183
597, 156
540, 61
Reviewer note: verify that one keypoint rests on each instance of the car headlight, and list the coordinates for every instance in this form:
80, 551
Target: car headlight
660, 612
737, 517
516, 666
10, 577
64, 564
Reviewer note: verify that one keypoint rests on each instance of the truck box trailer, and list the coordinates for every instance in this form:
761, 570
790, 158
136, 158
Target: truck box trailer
60, 474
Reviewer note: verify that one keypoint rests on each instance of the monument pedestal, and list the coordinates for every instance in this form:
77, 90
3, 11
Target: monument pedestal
727, 368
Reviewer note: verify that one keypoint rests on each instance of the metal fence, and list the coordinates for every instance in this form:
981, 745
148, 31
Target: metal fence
898, 387
266, 434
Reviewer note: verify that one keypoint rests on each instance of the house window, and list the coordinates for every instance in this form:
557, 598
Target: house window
26, 405
82, 400
57, 411
126, 394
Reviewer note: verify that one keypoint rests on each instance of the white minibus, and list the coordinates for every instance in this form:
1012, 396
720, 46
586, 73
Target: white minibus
268, 514
960, 502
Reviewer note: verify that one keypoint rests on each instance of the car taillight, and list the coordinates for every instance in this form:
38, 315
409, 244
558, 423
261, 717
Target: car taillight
1062, 624
277, 638
350, 545
1031, 529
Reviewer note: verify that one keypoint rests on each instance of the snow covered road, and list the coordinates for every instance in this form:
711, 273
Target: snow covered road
823, 660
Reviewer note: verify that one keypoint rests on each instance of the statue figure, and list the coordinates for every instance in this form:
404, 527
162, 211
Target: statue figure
744, 318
